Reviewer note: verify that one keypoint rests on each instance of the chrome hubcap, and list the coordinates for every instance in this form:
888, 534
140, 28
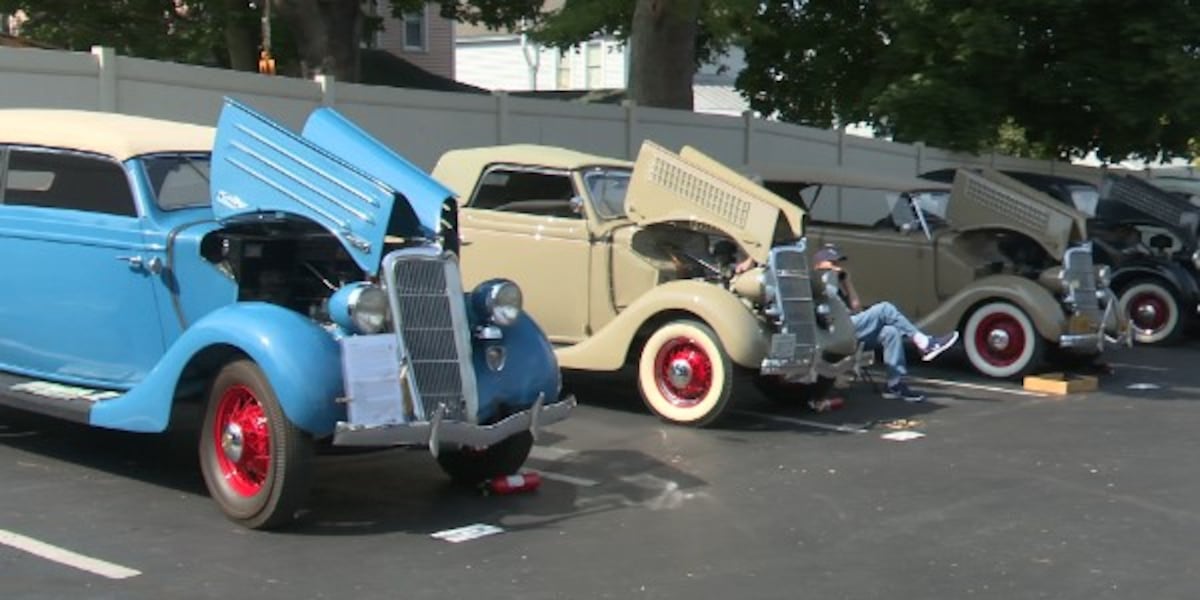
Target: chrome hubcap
679, 373
998, 339
1147, 313
233, 442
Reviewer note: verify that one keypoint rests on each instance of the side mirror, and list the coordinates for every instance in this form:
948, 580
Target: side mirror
577, 204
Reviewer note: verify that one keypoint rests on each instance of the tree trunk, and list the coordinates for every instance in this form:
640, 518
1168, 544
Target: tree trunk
327, 35
241, 35
663, 52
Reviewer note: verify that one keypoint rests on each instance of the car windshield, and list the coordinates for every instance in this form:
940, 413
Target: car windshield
1085, 198
607, 187
178, 180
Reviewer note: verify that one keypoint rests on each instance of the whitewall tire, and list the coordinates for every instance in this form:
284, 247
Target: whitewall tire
1153, 312
684, 374
1001, 341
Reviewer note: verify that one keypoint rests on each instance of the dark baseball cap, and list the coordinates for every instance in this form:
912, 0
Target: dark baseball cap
829, 253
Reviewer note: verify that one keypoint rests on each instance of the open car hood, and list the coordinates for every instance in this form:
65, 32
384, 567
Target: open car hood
989, 199
1125, 198
339, 177
692, 189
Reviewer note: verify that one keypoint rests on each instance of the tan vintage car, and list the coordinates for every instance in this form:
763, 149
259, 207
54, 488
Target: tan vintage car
635, 263
1005, 265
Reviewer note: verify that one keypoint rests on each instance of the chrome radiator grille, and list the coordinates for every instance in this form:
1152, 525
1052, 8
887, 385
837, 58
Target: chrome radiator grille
796, 341
1081, 278
431, 323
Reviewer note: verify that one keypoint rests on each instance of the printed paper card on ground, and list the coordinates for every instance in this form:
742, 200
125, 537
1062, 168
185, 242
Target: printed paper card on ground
467, 533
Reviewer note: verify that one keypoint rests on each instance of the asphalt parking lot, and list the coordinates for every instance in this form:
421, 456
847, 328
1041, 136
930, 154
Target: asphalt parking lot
1008, 495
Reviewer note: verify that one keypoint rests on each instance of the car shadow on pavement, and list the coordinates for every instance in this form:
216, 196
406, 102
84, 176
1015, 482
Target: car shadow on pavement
405, 491
371, 492
168, 459
751, 410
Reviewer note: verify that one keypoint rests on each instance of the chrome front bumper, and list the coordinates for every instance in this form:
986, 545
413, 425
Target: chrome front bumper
436, 431
807, 370
1113, 329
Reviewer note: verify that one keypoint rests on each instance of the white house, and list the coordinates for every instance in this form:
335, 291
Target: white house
507, 60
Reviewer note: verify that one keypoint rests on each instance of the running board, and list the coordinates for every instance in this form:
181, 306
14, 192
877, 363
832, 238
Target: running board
73, 403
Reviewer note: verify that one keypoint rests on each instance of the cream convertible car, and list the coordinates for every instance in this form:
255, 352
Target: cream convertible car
635, 263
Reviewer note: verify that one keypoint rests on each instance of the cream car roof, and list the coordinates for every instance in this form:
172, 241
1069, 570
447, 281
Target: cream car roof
115, 135
460, 169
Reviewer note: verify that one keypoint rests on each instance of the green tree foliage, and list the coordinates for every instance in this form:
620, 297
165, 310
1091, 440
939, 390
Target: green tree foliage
1040, 77
191, 32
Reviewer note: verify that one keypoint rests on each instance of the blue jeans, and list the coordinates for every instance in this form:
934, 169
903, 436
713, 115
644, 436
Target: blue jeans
882, 325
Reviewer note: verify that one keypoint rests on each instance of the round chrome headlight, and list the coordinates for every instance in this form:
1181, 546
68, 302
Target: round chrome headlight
369, 309
1103, 276
360, 308
1196, 260
501, 301
1054, 279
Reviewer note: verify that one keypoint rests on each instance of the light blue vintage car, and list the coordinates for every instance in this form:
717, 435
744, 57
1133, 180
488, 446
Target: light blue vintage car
299, 288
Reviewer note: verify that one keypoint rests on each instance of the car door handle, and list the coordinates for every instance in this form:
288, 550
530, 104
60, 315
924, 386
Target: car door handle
154, 265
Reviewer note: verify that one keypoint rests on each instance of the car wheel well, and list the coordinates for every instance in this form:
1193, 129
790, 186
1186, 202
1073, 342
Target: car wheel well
1129, 278
962, 320
649, 326
192, 387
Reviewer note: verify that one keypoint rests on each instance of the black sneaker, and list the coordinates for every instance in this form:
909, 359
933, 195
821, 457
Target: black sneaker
900, 391
938, 345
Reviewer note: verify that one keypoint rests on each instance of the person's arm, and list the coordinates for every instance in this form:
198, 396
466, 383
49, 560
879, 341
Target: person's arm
745, 265
851, 293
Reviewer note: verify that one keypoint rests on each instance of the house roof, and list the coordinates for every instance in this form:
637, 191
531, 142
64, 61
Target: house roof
380, 67
115, 135
12, 41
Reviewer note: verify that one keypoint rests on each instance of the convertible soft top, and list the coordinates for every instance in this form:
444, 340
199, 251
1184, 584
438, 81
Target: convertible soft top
115, 135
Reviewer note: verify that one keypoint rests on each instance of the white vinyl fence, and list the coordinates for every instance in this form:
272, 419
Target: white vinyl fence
422, 125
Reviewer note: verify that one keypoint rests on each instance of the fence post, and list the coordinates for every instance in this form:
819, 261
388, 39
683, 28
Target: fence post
106, 60
841, 158
631, 129
920, 146
501, 116
747, 135
328, 84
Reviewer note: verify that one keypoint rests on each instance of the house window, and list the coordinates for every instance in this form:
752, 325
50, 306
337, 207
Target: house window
595, 65
563, 73
414, 30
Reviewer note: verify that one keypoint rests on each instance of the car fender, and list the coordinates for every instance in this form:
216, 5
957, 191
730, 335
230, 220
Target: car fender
299, 358
741, 333
528, 352
1176, 275
1042, 307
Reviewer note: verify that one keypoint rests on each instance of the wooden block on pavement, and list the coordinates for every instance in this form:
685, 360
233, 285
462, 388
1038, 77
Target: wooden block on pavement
1061, 383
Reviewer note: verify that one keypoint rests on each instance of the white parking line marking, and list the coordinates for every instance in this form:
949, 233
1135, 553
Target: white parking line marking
805, 422
977, 386
568, 479
66, 557
1139, 367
